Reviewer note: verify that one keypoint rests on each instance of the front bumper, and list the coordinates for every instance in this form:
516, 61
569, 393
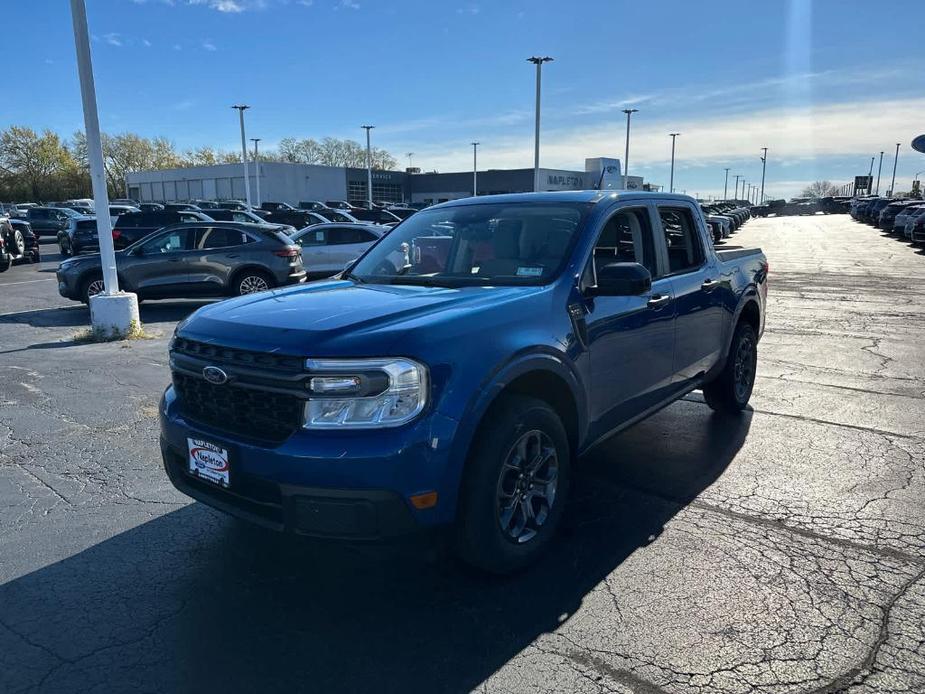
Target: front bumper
344, 485
66, 285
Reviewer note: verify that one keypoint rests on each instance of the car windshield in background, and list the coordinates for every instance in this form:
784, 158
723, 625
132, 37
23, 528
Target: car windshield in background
475, 244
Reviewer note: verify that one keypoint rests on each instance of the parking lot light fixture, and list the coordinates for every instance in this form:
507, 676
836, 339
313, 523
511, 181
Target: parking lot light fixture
764, 162
726, 186
241, 108
626, 154
895, 161
369, 166
538, 61
255, 140
410, 164
879, 170
673, 136
475, 169
735, 195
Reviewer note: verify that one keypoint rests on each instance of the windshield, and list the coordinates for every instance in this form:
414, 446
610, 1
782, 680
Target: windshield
513, 243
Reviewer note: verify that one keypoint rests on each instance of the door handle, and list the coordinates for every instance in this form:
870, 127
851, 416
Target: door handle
658, 301
709, 284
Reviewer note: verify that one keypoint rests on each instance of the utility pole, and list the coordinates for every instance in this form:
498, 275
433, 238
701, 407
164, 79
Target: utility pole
626, 156
255, 140
735, 195
475, 169
764, 162
726, 185
247, 182
671, 179
410, 165
369, 166
538, 61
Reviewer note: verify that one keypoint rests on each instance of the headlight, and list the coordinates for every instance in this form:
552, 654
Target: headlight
364, 393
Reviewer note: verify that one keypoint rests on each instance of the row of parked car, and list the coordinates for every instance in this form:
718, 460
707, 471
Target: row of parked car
835, 204
902, 217
725, 218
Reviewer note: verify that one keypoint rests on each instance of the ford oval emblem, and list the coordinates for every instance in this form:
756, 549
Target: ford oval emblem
214, 375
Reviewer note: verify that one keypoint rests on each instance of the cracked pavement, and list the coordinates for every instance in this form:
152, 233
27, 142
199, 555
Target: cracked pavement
780, 552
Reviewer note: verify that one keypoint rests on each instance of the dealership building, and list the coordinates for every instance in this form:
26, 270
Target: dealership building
293, 183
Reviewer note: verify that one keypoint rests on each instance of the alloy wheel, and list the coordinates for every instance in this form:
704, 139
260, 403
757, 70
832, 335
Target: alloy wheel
744, 368
527, 486
252, 284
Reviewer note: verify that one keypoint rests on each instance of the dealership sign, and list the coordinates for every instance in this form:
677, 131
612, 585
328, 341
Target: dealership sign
918, 144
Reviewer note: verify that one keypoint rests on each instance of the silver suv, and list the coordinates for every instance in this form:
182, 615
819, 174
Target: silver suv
198, 259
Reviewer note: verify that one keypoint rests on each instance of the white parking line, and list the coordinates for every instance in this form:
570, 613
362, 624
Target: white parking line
10, 284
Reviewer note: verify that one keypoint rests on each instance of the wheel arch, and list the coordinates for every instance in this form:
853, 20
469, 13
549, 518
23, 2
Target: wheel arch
249, 267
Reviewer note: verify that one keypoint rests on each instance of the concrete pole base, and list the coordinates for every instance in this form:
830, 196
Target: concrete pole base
115, 316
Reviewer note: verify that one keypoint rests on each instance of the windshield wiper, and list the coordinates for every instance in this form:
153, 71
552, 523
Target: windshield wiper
355, 278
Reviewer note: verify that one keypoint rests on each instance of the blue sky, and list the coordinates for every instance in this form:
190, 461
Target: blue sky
824, 84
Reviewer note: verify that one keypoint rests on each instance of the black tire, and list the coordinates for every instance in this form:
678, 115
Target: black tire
730, 391
90, 286
251, 281
65, 249
492, 477
6, 264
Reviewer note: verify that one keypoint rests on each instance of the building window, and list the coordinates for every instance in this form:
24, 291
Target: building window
389, 192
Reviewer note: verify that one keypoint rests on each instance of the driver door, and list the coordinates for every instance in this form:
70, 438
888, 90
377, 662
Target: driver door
630, 338
158, 267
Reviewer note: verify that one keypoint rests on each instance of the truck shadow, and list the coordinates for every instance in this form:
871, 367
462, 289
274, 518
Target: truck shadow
192, 601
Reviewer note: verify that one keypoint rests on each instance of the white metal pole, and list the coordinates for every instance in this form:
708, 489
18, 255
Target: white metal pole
255, 140
626, 155
671, 179
247, 183
764, 162
94, 147
895, 161
879, 171
726, 186
369, 166
475, 169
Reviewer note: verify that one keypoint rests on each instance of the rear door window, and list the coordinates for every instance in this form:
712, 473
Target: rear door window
219, 237
314, 237
170, 241
682, 239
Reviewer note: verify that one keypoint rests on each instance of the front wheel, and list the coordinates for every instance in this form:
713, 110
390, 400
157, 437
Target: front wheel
515, 486
730, 391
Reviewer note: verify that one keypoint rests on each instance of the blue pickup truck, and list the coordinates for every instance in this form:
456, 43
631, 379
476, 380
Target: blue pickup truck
452, 375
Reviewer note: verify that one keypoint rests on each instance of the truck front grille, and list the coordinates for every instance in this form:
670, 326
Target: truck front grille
241, 412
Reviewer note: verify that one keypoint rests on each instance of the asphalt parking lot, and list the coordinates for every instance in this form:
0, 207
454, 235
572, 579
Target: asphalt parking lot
781, 552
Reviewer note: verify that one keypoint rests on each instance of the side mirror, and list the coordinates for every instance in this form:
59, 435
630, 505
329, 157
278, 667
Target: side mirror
622, 279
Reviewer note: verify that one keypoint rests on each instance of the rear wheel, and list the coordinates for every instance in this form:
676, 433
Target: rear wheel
730, 391
515, 486
19, 244
65, 247
90, 287
252, 281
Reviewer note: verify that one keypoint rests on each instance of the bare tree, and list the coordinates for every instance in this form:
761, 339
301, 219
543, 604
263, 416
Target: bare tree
820, 189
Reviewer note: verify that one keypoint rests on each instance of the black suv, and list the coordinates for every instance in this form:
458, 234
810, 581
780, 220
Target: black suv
136, 225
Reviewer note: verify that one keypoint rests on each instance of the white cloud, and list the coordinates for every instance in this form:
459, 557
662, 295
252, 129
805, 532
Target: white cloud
146, 43
227, 6
177, 47
347, 5
113, 39
208, 45
305, 3
468, 9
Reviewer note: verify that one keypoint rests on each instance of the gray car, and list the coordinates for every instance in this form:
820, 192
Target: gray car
197, 259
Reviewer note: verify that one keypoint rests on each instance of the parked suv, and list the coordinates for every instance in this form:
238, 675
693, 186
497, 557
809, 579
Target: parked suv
192, 260
327, 248
33, 252
80, 236
129, 228
48, 221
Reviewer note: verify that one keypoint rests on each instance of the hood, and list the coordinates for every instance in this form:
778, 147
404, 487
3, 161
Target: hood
339, 317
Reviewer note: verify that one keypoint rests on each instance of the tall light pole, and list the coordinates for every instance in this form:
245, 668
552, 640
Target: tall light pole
538, 61
626, 154
674, 136
879, 170
94, 150
764, 163
241, 108
726, 185
369, 166
410, 165
895, 161
255, 140
735, 195
475, 169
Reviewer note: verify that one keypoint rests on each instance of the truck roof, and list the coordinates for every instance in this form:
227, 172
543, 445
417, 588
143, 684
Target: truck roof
591, 196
